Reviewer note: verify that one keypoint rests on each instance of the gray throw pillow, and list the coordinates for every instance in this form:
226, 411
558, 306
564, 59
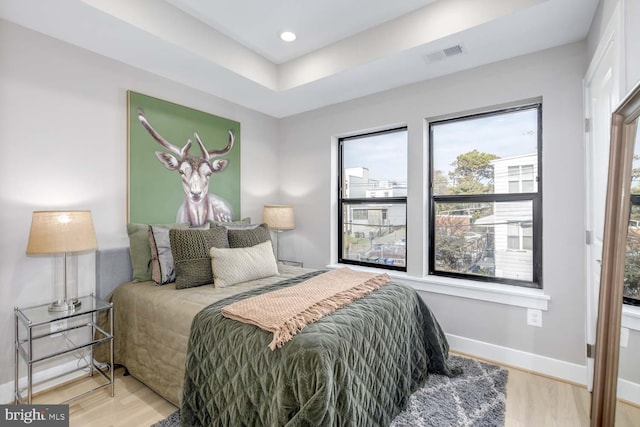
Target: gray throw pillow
244, 238
191, 258
243, 221
162, 270
140, 249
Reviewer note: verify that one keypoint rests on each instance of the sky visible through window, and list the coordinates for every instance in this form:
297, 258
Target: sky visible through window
385, 155
505, 135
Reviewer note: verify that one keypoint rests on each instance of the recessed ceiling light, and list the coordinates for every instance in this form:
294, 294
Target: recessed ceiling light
288, 36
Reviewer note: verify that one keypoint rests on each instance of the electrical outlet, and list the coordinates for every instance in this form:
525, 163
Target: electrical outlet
534, 317
58, 326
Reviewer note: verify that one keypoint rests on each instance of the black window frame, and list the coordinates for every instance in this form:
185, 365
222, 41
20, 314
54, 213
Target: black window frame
535, 198
342, 202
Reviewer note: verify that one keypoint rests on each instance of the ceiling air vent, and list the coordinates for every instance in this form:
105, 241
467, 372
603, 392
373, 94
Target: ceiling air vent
439, 55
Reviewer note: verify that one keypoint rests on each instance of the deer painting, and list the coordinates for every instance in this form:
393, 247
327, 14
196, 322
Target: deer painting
195, 171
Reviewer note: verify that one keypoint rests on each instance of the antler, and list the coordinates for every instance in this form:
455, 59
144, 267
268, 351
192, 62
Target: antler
166, 144
216, 153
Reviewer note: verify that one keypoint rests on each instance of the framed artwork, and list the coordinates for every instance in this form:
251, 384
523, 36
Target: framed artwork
183, 164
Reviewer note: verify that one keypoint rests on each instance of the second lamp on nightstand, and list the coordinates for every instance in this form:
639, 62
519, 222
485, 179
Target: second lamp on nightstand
278, 218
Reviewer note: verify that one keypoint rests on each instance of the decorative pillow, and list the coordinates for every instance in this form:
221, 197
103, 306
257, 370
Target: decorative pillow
243, 221
191, 258
141, 250
243, 238
239, 226
235, 265
162, 270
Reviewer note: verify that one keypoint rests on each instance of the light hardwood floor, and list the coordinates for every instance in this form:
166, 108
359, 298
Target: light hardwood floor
532, 400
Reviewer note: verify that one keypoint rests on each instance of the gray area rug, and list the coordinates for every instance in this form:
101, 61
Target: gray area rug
475, 398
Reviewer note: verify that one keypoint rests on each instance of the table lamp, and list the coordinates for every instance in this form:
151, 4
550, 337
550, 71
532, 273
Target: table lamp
62, 232
278, 218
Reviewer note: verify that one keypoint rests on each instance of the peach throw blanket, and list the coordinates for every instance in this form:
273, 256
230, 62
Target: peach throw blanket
287, 311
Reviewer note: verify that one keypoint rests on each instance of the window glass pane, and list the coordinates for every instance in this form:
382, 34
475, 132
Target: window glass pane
514, 186
527, 172
359, 214
513, 236
378, 239
513, 242
375, 165
528, 187
514, 172
527, 237
476, 155
474, 238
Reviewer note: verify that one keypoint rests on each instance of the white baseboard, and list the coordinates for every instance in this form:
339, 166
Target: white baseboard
629, 391
60, 375
520, 359
567, 371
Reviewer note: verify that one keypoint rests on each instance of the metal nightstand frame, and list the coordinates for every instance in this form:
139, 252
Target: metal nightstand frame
39, 318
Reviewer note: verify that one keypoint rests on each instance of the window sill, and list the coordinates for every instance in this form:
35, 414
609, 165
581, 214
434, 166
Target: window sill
483, 291
631, 317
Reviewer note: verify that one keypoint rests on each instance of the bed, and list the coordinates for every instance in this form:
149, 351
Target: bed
357, 366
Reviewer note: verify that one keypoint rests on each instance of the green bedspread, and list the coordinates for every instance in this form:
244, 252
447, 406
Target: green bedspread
356, 367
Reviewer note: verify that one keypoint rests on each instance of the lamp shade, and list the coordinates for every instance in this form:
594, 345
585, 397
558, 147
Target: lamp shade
279, 217
61, 231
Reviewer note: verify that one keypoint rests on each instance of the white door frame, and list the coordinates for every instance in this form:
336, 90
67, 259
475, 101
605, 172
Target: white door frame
606, 68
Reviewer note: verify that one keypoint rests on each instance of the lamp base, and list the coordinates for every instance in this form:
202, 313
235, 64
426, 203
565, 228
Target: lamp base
59, 305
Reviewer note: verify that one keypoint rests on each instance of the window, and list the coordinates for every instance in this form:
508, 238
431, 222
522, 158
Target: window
521, 179
519, 236
372, 199
514, 179
485, 217
513, 235
360, 214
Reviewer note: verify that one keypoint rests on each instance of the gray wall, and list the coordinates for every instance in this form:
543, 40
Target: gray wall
307, 181
64, 145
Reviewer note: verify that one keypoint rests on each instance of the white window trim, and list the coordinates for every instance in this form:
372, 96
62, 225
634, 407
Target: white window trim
631, 317
483, 291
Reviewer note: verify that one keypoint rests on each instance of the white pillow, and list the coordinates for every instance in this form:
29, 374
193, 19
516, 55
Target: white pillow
235, 265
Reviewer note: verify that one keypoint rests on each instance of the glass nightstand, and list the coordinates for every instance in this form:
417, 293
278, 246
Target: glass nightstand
33, 324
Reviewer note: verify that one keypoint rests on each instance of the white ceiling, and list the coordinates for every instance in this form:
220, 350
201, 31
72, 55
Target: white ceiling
345, 48
316, 23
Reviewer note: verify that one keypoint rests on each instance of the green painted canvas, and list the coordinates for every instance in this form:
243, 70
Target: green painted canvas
184, 164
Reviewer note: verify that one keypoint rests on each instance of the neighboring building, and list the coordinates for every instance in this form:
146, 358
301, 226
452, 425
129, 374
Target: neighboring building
513, 230
356, 182
376, 221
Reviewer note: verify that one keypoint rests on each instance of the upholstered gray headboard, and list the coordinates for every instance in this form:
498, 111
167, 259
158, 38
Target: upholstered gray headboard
113, 267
